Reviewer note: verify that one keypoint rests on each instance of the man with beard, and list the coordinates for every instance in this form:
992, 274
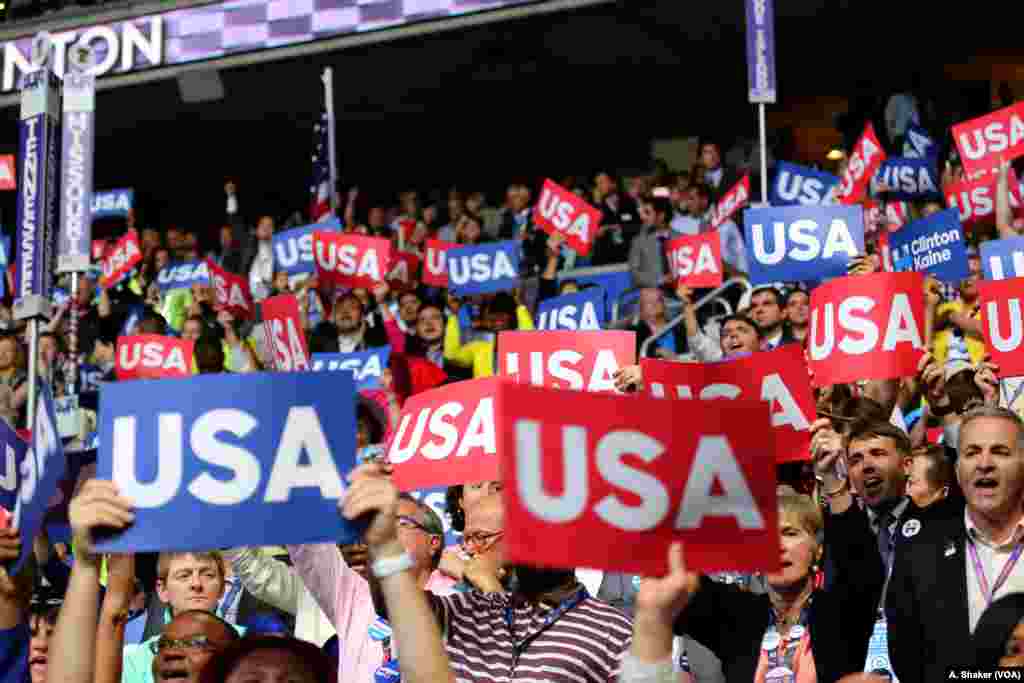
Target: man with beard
354, 333
519, 621
947, 577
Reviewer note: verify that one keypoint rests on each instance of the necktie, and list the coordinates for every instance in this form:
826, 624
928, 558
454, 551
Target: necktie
885, 539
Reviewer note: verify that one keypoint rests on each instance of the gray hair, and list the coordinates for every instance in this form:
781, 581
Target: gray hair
991, 412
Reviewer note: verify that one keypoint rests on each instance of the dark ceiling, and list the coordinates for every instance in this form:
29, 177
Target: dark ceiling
548, 95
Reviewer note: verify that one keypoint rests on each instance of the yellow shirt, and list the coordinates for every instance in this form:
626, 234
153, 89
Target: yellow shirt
945, 337
478, 354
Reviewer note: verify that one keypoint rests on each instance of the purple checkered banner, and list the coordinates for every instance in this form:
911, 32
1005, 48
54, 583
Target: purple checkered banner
227, 28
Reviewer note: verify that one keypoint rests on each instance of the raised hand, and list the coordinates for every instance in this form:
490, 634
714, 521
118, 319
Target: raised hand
98, 504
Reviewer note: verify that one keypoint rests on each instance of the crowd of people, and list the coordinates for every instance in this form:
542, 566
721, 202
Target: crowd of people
908, 512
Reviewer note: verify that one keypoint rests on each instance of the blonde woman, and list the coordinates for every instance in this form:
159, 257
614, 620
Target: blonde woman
797, 633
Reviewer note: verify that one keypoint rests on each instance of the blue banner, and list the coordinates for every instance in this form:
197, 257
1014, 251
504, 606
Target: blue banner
11, 456
483, 268
802, 243
183, 275
933, 245
39, 472
906, 179
112, 203
760, 51
5, 261
918, 143
584, 310
293, 249
89, 377
78, 147
1002, 259
217, 461
366, 367
795, 184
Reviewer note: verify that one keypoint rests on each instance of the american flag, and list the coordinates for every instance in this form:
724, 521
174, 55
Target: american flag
320, 188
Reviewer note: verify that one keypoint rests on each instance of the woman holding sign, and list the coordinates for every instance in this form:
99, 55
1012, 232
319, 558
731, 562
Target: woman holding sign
795, 634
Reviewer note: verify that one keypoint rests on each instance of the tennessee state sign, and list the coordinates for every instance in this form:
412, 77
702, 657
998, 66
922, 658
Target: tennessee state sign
866, 327
152, 356
627, 476
352, 261
282, 329
865, 160
447, 436
560, 210
582, 361
1002, 324
983, 140
778, 377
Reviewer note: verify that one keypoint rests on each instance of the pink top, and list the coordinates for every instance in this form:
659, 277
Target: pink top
345, 598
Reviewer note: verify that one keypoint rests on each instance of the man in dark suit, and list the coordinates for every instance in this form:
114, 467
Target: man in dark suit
717, 176
877, 455
943, 581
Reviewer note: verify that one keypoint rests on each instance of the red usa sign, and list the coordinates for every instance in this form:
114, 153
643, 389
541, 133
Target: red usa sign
152, 356
349, 260
983, 140
447, 436
583, 361
435, 266
231, 291
621, 473
696, 260
404, 270
282, 330
866, 327
119, 260
560, 210
8, 177
99, 247
778, 377
1002, 323
885, 217
867, 156
975, 198
731, 201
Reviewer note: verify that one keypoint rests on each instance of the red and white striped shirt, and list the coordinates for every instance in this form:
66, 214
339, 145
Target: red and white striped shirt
585, 645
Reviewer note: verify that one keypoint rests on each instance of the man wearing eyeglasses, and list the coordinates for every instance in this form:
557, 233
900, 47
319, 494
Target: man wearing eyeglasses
344, 594
187, 643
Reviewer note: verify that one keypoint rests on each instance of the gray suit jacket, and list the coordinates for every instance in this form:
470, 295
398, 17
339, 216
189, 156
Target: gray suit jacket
646, 260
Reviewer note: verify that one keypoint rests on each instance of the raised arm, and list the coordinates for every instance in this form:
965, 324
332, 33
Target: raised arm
267, 579
416, 631
97, 504
114, 618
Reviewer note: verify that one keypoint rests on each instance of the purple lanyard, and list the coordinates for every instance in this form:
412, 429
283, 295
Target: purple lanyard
979, 571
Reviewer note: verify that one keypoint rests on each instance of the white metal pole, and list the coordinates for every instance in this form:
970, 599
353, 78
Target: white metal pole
764, 153
33, 365
328, 79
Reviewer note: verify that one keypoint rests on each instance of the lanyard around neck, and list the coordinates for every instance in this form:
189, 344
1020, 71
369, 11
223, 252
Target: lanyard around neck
553, 616
979, 571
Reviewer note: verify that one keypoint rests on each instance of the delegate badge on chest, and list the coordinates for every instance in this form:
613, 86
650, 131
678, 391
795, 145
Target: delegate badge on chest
771, 641
388, 673
779, 674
